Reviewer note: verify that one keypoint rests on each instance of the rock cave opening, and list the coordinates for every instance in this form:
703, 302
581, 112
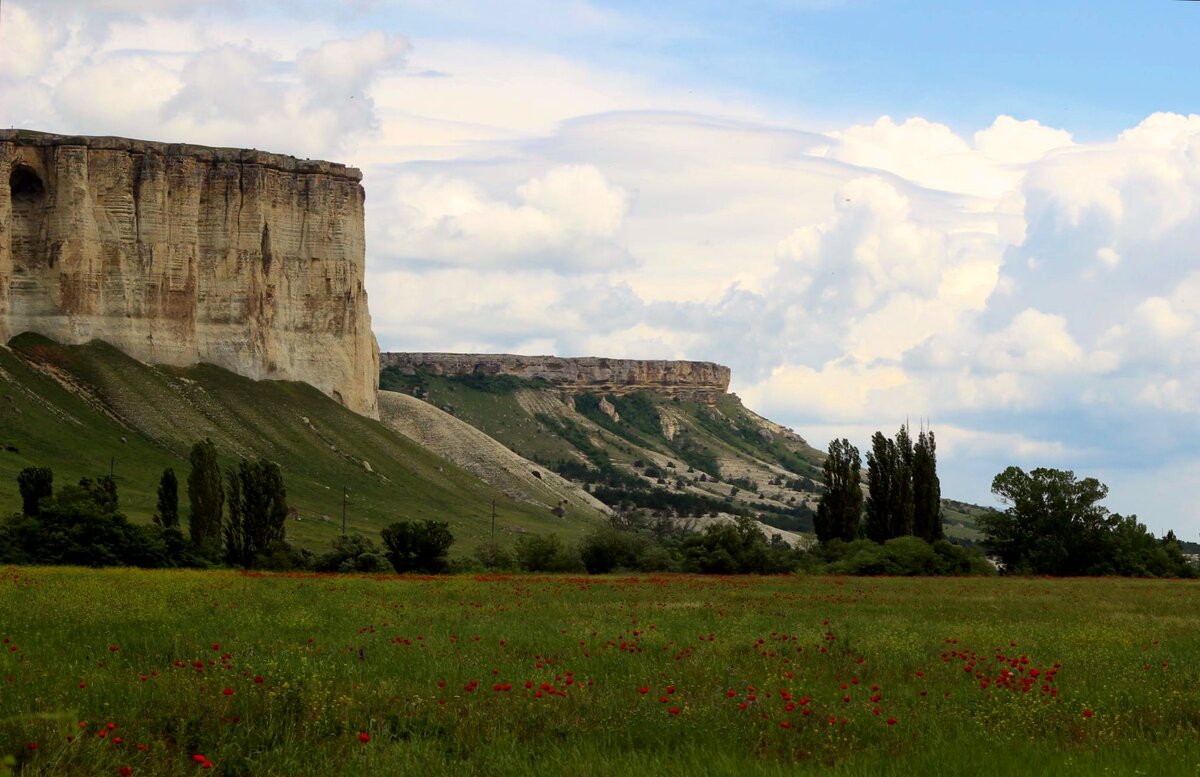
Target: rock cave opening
28, 197
25, 185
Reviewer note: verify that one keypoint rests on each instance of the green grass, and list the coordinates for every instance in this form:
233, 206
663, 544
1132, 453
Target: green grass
489, 404
140, 419
491, 407
394, 657
705, 434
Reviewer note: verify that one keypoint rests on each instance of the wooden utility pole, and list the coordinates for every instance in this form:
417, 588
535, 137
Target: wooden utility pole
492, 549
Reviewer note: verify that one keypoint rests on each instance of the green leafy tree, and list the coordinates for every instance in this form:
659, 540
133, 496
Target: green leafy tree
902, 492
234, 529
494, 557
1054, 524
35, 484
882, 464
257, 511
352, 553
608, 548
418, 546
206, 495
840, 508
103, 491
926, 489
167, 514
546, 553
737, 547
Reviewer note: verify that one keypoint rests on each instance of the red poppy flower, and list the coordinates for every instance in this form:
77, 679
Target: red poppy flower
364, 737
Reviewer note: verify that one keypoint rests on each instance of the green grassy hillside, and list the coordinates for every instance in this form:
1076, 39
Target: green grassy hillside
83, 409
722, 456
722, 452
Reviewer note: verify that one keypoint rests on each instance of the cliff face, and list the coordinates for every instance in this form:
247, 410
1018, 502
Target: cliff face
181, 254
701, 381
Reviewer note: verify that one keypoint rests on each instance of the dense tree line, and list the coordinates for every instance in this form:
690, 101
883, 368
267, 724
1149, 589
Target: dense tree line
237, 517
83, 524
634, 542
1055, 525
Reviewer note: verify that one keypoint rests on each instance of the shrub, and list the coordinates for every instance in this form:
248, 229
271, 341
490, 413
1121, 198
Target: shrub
737, 547
546, 553
418, 546
352, 553
901, 556
607, 549
494, 557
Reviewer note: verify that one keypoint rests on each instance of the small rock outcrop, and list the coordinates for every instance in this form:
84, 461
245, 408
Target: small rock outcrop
700, 381
181, 254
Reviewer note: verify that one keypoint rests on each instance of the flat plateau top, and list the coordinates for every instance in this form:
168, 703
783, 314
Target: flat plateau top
24, 137
512, 357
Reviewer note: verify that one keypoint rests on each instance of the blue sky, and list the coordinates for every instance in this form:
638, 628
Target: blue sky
981, 214
1095, 67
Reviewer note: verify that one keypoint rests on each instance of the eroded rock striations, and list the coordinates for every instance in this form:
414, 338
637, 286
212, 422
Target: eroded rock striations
700, 381
181, 254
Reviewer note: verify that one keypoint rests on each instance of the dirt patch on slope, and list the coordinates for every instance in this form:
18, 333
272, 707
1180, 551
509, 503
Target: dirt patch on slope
481, 455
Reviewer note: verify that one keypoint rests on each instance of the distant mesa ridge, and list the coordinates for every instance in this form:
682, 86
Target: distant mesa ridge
702, 381
179, 254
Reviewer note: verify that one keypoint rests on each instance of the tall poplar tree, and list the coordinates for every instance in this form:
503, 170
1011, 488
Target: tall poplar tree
206, 495
167, 514
902, 496
257, 511
35, 484
927, 489
881, 485
840, 509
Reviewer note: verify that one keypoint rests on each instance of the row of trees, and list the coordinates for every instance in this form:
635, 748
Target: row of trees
904, 494
83, 524
237, 517
1054, 524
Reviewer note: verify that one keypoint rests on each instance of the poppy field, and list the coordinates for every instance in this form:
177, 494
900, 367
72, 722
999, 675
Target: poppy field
130, 672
